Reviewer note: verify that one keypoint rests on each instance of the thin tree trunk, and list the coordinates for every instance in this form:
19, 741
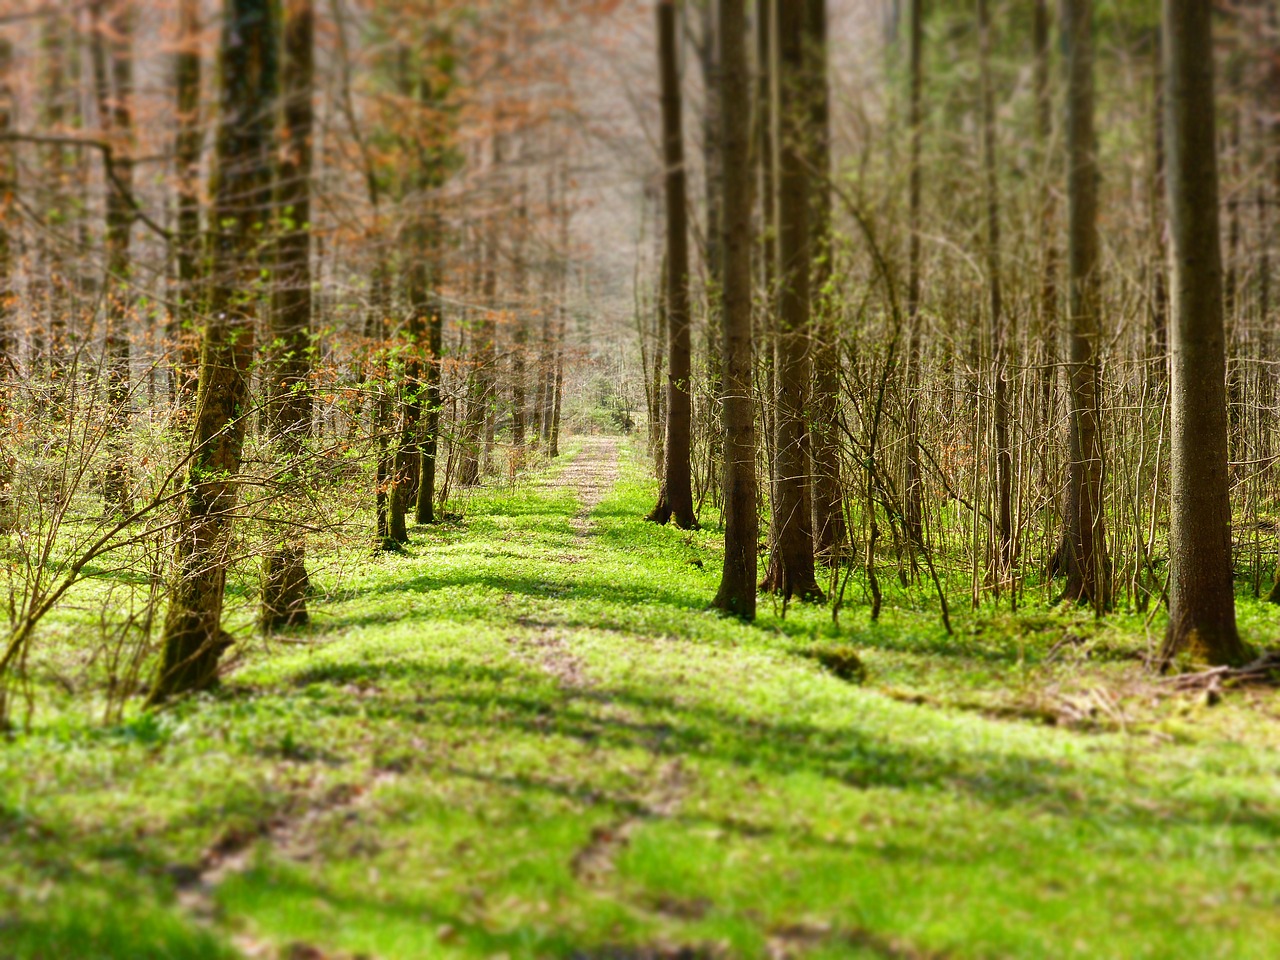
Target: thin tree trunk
1202, 617
183, 335
998, 339
913, 509
425, 506
8, 244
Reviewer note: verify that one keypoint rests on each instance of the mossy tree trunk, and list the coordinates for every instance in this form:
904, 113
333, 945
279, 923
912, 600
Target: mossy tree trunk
1202, 613
289, 400
193, 639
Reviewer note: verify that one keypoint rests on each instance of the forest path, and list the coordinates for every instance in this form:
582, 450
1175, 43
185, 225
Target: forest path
527, 736
591, 474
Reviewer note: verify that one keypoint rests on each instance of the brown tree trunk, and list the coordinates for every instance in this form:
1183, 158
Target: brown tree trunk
193, 639
791, 567
183, 335
425, 506
675, 498
1049, 255
8, 242
913, 509
1082, 554
737, 593
1202, 616
289, 403
830, 539
113, 92
1003, 554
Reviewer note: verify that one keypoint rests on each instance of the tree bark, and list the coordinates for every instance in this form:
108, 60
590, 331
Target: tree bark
830, 539
737, 593
791, 567
193, 639
1202, 617
1082, 553
1003, 553
675, 498
913, 509
183, 335
289, 401
113, 92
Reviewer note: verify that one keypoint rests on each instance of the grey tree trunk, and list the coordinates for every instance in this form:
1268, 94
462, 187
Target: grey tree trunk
737, 593
1202, 614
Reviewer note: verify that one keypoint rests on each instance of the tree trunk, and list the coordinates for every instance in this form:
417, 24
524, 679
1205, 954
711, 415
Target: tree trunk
791, 567
8, 243
913, 509
675, 499
1048, 294
289, 403
1202, 617
829, 534
193, 639
737, 593
1003, 554
1082, 553
183, 335
425, 506
113, 92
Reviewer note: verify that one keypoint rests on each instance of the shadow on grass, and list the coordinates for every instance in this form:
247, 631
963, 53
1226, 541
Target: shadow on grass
668, 728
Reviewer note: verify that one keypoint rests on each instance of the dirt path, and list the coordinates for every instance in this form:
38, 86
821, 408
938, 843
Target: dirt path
590, 475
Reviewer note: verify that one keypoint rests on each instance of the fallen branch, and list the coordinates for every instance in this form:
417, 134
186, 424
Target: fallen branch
1263, 671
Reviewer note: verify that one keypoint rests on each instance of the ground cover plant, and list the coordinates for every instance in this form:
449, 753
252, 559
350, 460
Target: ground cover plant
529, 737
639, 479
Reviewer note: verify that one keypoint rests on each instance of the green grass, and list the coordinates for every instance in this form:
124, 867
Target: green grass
516, 741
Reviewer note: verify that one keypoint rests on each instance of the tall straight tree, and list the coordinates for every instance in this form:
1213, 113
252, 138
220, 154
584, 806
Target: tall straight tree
737, 594
1082, 552
913, 511
8, 229
1202, 612
284, 575
186, 241
791, 566
193, 639
829, 534
675, 499
112, 58
1003, 553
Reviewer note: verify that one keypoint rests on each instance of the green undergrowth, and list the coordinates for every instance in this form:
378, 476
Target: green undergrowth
527, 737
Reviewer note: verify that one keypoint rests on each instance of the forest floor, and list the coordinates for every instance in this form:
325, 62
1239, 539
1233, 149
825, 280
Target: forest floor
527, 737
